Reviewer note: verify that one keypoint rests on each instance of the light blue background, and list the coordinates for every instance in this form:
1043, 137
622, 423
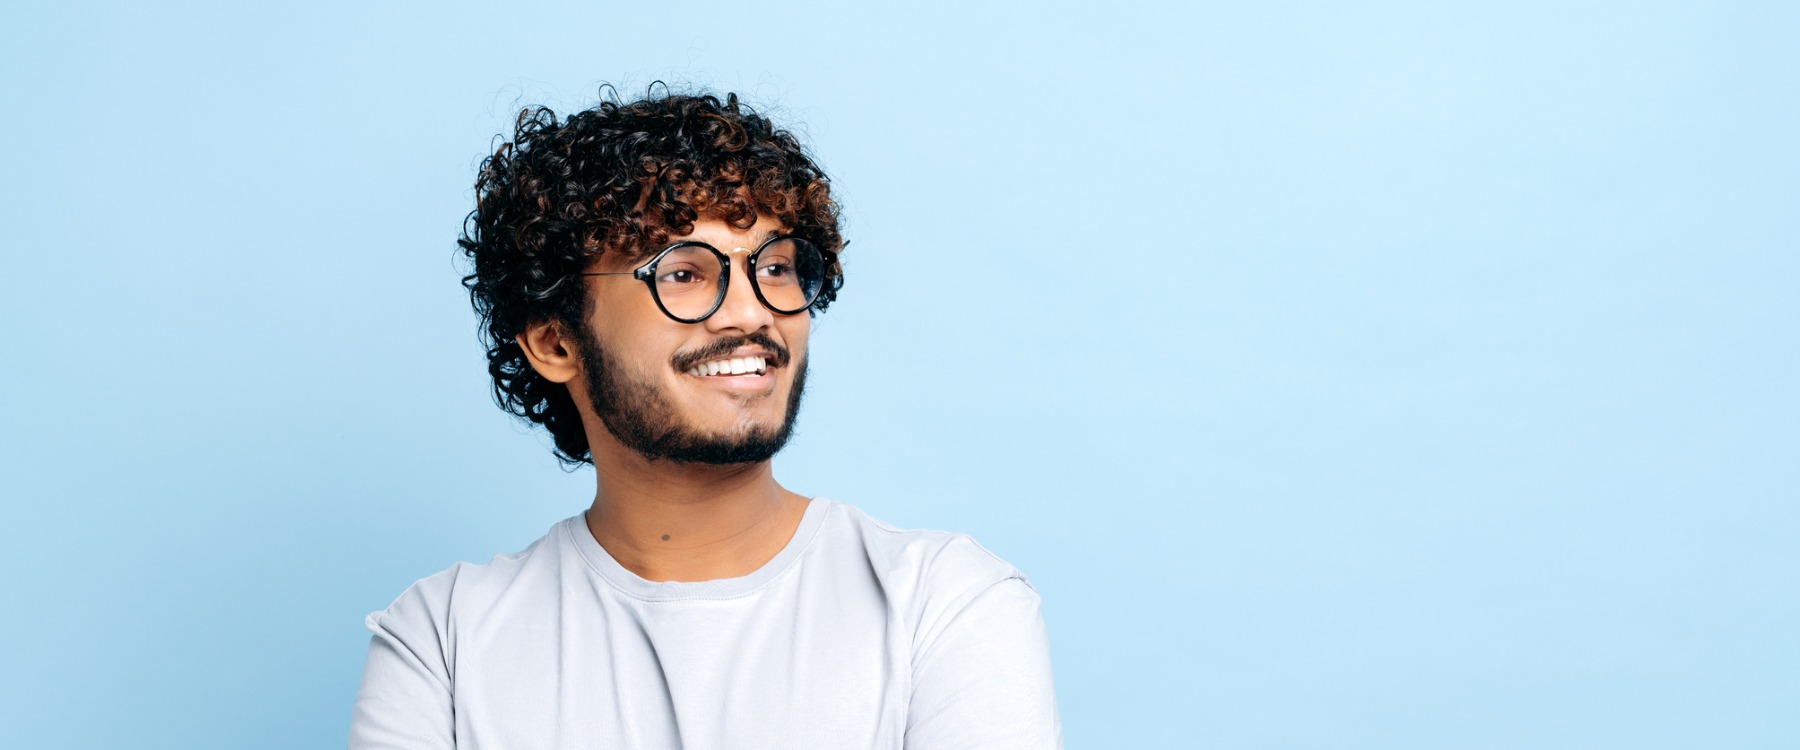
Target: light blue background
1387, 375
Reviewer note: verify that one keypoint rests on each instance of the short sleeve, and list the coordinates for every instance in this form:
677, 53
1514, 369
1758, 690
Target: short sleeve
404, 702
984, 681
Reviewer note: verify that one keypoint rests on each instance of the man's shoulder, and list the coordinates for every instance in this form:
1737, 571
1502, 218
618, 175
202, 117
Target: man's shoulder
474, 585
933, 567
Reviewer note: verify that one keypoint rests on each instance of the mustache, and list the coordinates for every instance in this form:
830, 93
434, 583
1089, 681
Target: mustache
724, 346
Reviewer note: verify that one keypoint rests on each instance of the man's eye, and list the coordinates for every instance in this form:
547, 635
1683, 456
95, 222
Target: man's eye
777, 270
679, 277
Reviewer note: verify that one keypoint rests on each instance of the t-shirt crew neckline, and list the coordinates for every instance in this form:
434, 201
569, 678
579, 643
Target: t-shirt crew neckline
576, 530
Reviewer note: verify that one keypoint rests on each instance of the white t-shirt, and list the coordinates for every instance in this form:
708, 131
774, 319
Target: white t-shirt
856, 635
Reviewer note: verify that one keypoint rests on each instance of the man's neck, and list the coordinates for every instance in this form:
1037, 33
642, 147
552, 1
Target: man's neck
668, 521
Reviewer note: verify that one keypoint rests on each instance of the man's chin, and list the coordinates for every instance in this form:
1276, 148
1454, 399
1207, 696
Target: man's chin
718, 450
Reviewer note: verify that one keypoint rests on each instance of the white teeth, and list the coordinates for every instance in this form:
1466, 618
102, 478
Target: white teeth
734, 366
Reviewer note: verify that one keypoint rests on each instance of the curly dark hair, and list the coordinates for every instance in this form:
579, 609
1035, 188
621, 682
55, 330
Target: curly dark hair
619, 178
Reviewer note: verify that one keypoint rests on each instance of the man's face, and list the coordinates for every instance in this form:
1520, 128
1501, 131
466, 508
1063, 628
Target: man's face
639, 365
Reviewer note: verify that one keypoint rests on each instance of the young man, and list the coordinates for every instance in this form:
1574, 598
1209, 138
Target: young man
646, 275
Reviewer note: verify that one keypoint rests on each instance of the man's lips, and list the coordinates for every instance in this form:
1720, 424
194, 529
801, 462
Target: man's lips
737, 363
745, 382
749, 370
753, 345
744, 364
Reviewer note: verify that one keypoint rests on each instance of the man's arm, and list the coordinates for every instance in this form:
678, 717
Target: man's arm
404, 702
985, 681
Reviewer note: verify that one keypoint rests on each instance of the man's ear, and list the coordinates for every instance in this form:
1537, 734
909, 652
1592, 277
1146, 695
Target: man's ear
552, 353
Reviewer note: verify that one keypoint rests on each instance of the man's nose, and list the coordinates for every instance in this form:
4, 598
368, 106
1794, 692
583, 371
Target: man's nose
740, 310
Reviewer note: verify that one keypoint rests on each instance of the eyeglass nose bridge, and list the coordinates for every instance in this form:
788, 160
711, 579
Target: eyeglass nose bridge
725, 281
748, 270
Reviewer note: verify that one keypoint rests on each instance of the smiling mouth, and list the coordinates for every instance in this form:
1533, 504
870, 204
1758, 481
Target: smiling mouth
738, 367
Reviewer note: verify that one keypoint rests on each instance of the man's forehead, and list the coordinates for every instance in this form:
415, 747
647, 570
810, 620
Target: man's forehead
722, 235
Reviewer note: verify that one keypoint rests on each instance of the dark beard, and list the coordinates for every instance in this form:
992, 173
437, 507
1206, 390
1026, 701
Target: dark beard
636, 413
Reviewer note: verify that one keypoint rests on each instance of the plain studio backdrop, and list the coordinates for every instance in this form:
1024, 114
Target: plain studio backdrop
1383, 375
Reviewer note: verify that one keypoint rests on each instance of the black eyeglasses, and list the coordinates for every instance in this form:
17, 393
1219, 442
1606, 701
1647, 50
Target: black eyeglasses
688, 279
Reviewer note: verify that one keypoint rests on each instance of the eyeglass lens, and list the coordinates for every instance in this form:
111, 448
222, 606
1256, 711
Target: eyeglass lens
788, 273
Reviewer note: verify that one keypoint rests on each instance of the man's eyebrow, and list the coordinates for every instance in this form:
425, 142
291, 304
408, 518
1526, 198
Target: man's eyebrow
766, 235
755, 241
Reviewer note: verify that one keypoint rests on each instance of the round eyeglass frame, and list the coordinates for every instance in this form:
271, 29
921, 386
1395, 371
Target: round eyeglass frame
647, 274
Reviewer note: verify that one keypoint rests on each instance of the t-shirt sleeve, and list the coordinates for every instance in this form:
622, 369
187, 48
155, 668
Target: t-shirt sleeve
405, 699
984, 680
